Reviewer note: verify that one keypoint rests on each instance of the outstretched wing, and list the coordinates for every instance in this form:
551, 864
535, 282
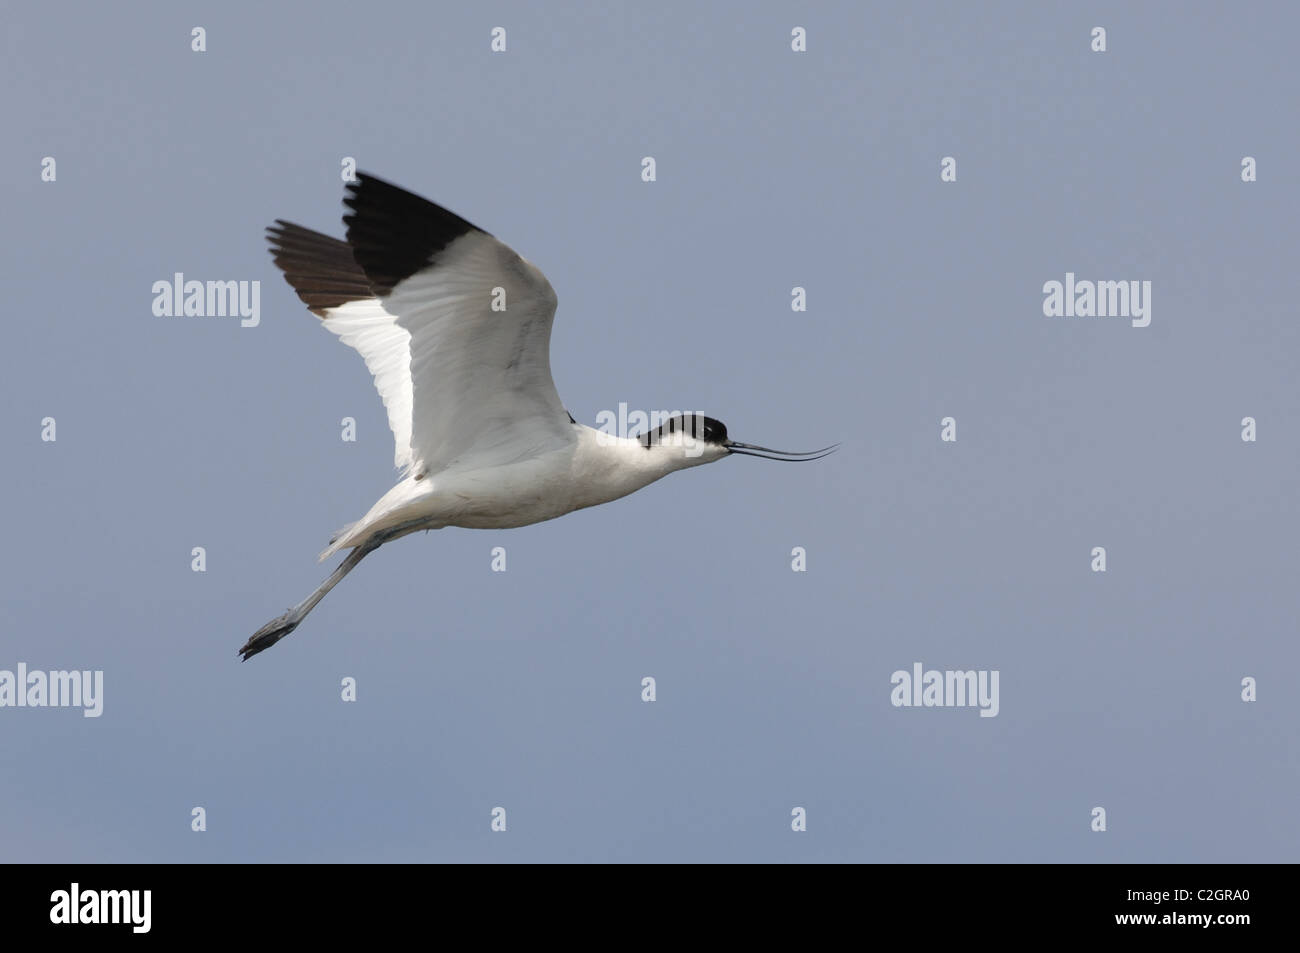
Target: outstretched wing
454, 326
333, 286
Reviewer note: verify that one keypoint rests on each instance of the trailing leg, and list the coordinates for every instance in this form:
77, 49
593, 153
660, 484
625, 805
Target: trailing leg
278, 628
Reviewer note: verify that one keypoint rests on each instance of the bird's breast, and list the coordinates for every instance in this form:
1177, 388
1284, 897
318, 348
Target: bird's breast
531, 490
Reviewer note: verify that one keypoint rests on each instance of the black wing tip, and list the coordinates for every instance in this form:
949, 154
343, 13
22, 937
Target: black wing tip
391, 234
365, 180
395, 233
366, 193
364, 188
320, 268
287, 233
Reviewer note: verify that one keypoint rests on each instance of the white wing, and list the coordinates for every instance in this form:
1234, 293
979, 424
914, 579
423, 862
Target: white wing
386, 349
481, 377
453, 325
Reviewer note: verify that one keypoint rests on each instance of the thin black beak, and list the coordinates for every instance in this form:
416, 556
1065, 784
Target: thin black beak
786, 456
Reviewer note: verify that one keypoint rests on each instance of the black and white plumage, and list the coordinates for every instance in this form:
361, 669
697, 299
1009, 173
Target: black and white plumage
455, 329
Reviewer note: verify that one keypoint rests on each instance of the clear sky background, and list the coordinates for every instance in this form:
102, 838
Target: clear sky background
775, 169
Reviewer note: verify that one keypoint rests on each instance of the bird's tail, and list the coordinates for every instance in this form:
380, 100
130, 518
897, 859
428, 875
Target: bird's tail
337, 541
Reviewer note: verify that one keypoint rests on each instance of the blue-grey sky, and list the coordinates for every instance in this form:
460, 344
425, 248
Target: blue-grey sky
775, 169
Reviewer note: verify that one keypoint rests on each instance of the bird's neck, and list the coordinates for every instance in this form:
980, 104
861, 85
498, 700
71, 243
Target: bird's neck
621, 465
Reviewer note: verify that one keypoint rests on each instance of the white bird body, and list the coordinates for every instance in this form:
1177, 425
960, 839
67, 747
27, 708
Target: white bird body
595, 468
455, 328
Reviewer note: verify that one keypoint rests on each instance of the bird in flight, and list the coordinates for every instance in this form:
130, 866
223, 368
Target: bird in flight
455, 328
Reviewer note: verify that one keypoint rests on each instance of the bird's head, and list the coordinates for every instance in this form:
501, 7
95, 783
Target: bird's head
693, 439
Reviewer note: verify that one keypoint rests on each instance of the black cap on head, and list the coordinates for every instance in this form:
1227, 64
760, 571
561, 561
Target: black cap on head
696, 426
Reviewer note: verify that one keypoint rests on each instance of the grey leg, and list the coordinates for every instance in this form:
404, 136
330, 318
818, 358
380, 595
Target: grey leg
278, 628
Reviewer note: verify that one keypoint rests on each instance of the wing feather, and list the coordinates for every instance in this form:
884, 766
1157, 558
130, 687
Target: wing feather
479, 318
453, 325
